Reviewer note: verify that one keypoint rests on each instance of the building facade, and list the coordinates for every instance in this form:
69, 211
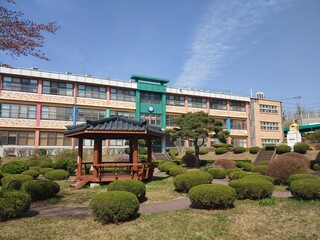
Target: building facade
36, 105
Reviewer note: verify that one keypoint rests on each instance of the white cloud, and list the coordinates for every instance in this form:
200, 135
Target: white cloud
221, 37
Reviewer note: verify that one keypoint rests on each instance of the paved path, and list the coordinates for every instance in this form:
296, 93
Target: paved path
145, 209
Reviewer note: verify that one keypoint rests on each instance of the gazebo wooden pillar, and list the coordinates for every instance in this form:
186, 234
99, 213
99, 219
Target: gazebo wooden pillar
97, 155
135, 157
80, 157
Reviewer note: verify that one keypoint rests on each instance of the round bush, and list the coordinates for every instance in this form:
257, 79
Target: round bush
189, 160
14, 167
175, 171
136, 187
45, 170
286, 165
262, 169
115, 206
35, 168
247, 167
252, 188
221, 150
239, 149
281, 149
65, 164
217, 173
295, 177
33, 173
308, 188
189, 151
13, 204
254, 150
212, 196
56, 175
14, 181
173, 152
239, 174
184, 182
255, 176
224, 163
316, 167
301, 148
239, 164
40, 189
203, 151
165, 166
270, 147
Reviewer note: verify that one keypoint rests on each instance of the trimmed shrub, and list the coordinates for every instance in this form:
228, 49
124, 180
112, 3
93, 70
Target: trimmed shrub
281, 149
232, 170
286, 165
217, 173
45, 170
56, 175
270, 147
33, 173
173, 154
239, 149
295, 177
264, 162
203, 151
37, 168
159, 162
40, 189
65, 164
221, 150
189, 160
262, 169
115, 206
252, 188
189, 151
224, 163
13, 204
308, 188
175, 171
177, 162
247, 167
14, 181
14, 167
255, 176
212, 196
165, 166
40, 161
316, 167
254, 150
136, 187
184, 182
239, 174
301, 148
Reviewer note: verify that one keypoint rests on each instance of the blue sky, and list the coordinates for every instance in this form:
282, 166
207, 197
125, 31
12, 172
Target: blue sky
229, 46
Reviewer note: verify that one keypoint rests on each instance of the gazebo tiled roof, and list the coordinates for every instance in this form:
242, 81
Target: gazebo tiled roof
113, 125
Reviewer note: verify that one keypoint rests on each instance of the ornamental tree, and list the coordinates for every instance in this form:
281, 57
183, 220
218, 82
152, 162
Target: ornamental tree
19, 36
196, 127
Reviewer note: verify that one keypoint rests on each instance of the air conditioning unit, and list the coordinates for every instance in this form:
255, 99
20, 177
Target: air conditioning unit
260, 95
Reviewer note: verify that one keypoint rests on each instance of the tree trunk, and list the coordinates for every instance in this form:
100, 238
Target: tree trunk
196, 151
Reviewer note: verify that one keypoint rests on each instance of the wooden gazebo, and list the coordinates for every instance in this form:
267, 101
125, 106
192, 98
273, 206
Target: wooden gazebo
113, 128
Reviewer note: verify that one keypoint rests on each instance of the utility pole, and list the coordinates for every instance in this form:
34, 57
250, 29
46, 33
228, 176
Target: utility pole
299, 108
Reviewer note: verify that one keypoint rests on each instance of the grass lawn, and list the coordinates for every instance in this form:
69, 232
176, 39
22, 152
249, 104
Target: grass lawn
286, 219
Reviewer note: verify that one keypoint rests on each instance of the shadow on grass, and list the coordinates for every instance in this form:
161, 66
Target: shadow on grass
156, 178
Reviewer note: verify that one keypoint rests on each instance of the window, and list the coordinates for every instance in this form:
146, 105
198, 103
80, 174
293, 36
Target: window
56, 113
90, 114
218, 104
122, 95
90, 142
265, 142
175, 100
150, 97
197, 102
91, 92
268, 109
117, 142
237, 106
20, 84
151, 119
169, 120
17, 111
224, 122
57, 88
269, 125
17, 138
54, 139
238, 124
239, 142
130, 115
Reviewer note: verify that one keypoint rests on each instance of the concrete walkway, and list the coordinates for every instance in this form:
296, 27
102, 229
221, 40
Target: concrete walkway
145, 209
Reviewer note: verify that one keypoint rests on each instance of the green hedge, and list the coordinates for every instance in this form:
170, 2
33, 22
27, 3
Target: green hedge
252, 188
212, 196
308, 188
217, 173
175, 171
13, 204
301, 148
203, 151
136, 187
33, 173
281, 149
115, 206
239, 149
14, 181
221, 150
247, 167
254, 150
14, 167
56, 175
184, 182
295, 177
65, 164
255, 176
262, 169
165, 166
189, 151
40, 189
45, 170
234, 175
